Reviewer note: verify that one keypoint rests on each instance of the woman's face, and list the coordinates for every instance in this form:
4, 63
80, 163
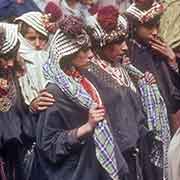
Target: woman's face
37, 40
82, 59
115, 51
6, 64
147, 33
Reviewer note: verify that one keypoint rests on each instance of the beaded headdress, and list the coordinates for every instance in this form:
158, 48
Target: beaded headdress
69, 38
145, 14
107, 26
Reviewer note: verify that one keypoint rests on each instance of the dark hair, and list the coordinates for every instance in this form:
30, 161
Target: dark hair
23, 28
19, 66
153, 22
66, 61
134, 24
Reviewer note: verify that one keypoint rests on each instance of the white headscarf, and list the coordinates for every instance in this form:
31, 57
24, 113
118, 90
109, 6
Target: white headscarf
33, 81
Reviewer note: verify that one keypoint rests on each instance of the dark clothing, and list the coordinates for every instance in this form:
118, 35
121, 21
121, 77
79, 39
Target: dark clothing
128, 124
145, 59
14, 129
124, 109
127, 119
9, 8
61, 155
149, 170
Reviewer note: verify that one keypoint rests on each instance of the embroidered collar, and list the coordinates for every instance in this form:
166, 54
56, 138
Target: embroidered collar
118, 73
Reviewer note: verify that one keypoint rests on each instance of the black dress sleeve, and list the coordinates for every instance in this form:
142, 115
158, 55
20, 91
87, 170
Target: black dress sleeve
54, 139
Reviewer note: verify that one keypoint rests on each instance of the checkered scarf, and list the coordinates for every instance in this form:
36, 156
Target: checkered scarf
105, 146
157, 119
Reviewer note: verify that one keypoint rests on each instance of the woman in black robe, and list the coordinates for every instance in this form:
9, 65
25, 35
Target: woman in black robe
66, 146
14, 123
56, 148
149, 53
63, 155
13, 132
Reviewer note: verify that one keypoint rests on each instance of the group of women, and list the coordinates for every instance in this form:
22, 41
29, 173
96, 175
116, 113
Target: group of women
97, 99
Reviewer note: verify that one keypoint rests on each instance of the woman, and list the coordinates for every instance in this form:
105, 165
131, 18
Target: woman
33, 49
98, 82
144, 18
14, 122
66, 132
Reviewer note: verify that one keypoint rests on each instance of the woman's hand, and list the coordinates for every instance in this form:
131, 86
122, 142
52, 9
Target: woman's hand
164, 49
42, 102
95, 116
149, 77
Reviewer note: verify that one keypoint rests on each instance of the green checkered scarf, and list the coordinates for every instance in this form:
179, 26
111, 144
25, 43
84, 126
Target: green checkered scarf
157, 119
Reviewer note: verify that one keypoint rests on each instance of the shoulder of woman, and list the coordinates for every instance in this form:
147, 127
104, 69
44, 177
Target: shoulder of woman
53, 89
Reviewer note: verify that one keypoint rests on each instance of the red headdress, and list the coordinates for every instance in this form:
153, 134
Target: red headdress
108, 26
107, 18
54, 10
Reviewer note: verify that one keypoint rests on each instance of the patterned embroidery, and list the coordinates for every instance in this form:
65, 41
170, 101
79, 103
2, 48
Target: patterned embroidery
114, 77
7, 95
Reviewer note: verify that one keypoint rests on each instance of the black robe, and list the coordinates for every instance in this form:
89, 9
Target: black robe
145, 59
61, 156
126, 119
124, 109
14, 138
128, 122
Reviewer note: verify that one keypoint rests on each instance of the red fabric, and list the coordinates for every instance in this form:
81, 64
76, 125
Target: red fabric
54, 10
87, 85
3, 85
145, 3
107, 17
3, 92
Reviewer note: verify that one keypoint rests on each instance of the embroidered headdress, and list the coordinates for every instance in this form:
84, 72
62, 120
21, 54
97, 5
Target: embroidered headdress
8, 37
69, 38
107, 26
144, 12
35, 20
54, 10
